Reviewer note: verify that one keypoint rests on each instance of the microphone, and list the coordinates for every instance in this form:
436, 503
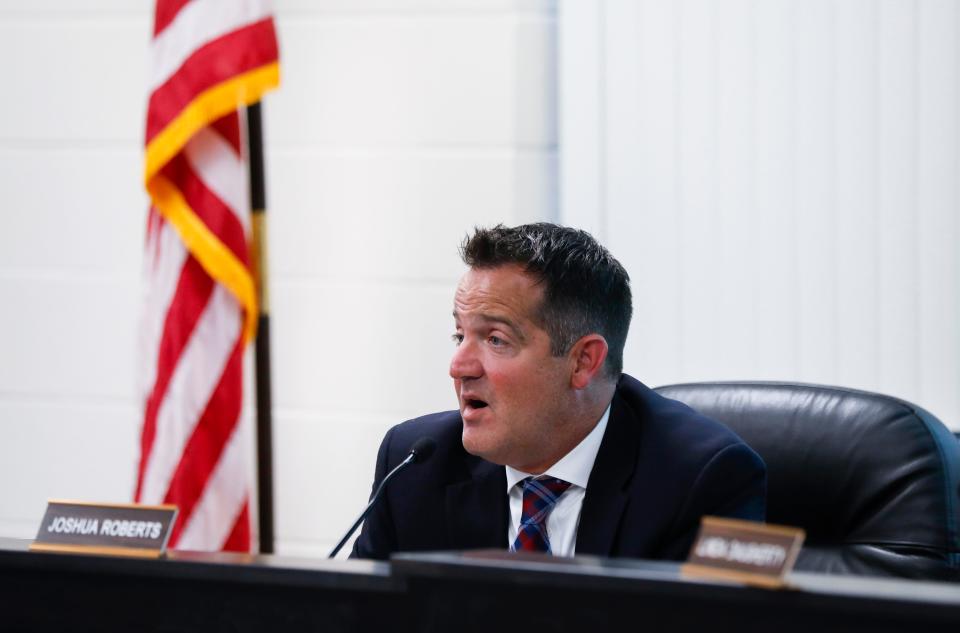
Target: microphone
420, 451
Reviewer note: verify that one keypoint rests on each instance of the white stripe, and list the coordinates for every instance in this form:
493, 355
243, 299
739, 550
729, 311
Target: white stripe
215, 513
222, 171
197, 23
194, 379
164, 257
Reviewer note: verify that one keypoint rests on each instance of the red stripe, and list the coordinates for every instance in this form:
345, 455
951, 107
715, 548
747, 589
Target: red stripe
166, 11
192, 294
153, 244
239, 539
236, 52
202, 451
229, 128
217, 216
154, 225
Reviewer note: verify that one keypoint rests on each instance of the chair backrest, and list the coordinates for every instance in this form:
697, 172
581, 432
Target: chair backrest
874, 480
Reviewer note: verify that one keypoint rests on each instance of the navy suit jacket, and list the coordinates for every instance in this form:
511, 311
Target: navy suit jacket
661, 467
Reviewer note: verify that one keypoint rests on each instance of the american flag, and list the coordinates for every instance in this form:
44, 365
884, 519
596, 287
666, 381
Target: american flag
209, 58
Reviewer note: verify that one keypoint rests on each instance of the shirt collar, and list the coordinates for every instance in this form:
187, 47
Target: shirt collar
575, 466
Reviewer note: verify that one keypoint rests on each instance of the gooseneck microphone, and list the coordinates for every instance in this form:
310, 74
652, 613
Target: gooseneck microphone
420, 452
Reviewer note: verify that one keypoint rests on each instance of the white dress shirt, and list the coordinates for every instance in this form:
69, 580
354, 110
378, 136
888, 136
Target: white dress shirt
574, 467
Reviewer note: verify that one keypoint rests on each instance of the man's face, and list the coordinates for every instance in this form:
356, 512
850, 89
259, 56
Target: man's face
512, 391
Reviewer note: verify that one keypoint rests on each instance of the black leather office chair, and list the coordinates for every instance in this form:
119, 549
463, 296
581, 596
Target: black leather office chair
874, 480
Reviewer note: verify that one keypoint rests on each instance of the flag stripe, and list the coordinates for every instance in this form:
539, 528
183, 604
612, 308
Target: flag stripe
208, 208
193, 292
192, 27
166, 11
203, 450
245, 89
216, 258
223, 494
228, 127
220, 60
164, 260
223, 172
240, 534
196, 376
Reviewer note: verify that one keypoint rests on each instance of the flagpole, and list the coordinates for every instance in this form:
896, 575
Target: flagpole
258, 204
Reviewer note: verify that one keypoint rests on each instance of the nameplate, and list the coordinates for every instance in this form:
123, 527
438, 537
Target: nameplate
105, 528
753, 553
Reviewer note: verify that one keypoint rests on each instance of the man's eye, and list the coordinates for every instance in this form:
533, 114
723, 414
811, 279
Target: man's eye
457, 338
496, 341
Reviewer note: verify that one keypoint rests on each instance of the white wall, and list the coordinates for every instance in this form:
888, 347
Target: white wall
399, 125
71, 126
780, 178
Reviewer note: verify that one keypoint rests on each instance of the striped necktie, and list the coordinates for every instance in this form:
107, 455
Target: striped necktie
540, 495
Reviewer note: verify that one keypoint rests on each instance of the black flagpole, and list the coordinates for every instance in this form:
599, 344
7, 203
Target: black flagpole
258, 204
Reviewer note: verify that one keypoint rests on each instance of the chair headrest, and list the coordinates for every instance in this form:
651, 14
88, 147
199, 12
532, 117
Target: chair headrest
851, 467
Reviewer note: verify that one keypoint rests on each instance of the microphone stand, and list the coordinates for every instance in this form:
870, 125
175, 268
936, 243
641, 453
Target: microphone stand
376, 495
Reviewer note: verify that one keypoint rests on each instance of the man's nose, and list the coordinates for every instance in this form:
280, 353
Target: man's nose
465, 362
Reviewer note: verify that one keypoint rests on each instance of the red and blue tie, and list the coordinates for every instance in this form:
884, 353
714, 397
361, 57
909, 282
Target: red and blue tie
539, 497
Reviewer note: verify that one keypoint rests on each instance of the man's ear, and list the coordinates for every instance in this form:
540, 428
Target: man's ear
587, 355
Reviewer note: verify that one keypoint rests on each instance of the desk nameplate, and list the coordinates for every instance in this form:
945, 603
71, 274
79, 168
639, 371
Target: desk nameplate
118, 529
757, 554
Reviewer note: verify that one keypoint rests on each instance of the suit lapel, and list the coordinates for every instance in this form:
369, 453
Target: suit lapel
606, 497
477, 509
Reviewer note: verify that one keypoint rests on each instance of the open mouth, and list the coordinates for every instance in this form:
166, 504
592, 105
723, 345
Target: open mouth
475, 404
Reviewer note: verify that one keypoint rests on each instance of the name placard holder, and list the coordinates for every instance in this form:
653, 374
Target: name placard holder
117, 529
756, 554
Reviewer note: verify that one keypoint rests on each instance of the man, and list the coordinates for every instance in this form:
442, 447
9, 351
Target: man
553, 448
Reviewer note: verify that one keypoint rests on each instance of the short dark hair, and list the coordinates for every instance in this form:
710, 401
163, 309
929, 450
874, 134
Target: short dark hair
586, 290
